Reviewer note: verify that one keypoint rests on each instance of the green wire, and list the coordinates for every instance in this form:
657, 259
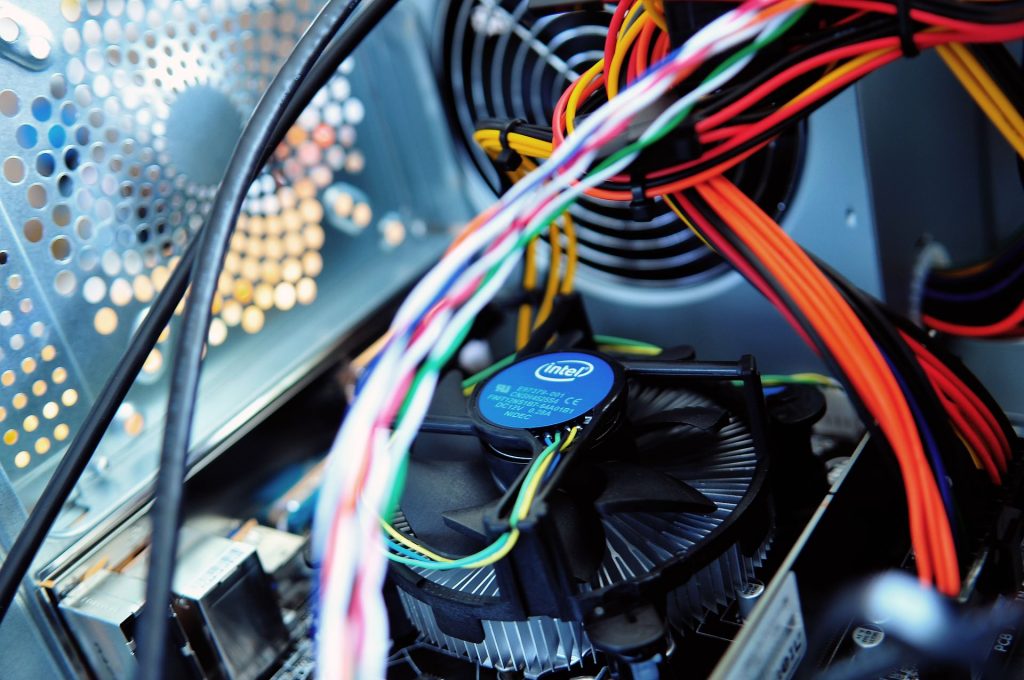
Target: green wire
502, 540
487, 372
434, 365
615, 340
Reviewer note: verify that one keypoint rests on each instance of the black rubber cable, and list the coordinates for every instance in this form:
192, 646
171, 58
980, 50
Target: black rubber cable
18, 560
74, 461
188, 350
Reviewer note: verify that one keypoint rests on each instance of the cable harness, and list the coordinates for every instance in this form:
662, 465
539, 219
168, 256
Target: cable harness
732, 85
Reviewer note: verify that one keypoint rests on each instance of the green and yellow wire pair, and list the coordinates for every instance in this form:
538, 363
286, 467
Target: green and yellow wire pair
504, 544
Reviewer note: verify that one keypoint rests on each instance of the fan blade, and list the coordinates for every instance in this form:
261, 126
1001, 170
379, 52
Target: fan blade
703, 419
446, 469
632, 488
470, 521
580, 532
448, 398
579, 529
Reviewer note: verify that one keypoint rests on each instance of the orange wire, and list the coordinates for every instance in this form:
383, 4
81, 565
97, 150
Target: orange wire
808, 301
939, 534
472, 226
833, 320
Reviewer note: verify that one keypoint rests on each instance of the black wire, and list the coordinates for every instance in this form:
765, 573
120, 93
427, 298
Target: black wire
74, 461
166, 513
954, 458
953, 363
18, 560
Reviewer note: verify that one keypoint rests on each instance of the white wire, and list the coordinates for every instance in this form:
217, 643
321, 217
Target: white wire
440, 332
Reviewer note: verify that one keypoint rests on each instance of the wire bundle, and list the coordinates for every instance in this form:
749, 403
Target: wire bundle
831, 45
985, 300
410, 553
794, 284
900, 383
725, 93
366, 463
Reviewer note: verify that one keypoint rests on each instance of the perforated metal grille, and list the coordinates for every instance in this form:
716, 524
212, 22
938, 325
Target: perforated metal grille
111, 158
501, 60
39, 390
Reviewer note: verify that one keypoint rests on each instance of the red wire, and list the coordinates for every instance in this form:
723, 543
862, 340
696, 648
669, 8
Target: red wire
972, 33
773, 83
1008, 326
732, 256
558, 129
998, 33
613, 30
752, 131
641, 51
661, 46
984, 418
956, 414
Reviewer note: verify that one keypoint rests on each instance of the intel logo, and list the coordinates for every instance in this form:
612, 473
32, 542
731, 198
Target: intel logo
565, 370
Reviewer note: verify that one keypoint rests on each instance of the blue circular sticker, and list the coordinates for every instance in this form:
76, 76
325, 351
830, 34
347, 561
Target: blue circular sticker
545, 390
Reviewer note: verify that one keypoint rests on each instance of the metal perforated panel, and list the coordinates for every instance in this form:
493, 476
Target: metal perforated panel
117, 119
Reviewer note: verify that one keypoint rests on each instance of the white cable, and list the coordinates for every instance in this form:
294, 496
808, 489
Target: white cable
397, 361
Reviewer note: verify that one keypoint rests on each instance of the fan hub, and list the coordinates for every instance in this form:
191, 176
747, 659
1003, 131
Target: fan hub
540, 395
547, 391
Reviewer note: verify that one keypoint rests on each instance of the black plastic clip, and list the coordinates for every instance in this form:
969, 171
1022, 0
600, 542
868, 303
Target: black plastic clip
906, 29
509, 159
641, 208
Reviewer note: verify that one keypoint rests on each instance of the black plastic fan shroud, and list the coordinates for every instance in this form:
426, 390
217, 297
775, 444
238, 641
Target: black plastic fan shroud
655, 489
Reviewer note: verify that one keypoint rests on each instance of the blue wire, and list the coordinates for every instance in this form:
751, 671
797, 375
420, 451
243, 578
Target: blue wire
979, 294
551, 468
403, 550
929, 440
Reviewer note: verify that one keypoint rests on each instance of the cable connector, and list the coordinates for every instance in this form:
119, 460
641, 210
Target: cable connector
641, 208
508, 159
905, 29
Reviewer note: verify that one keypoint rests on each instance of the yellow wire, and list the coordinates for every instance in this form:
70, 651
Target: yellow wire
630, 18
656, 14
685, 220
577, 92
571, 256
529, 282
984, 92
836, 73
970, 450
411, 544
513, 534
631, 349
490, 141
366, 356
815, 378
513, 537
543, 468
996, 93
554, 269
569, 440
621, 50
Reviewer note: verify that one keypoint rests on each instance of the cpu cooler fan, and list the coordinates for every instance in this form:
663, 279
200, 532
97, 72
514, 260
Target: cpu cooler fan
651, 520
